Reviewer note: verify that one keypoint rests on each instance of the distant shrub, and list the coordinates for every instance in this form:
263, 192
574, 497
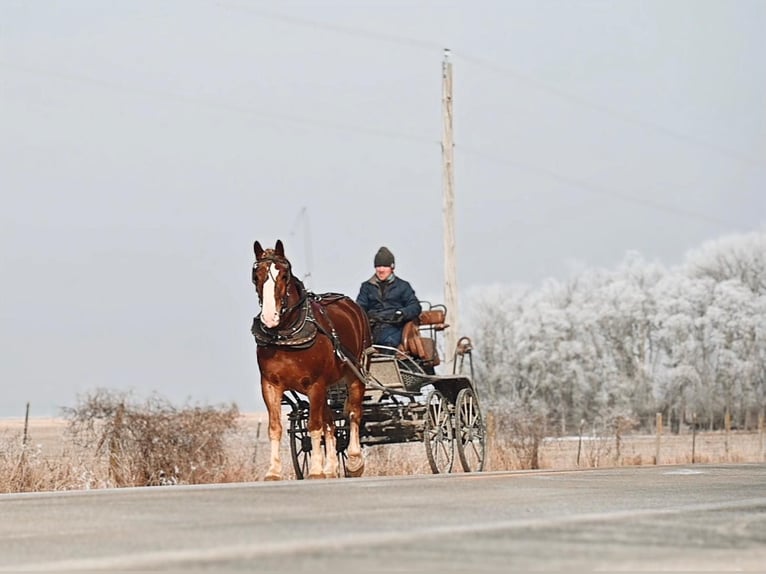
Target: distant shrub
152, 442
518, 433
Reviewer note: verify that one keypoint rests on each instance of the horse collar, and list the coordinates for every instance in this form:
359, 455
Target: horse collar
299, 335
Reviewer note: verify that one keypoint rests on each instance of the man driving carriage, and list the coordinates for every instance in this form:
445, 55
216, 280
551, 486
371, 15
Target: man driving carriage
388, 300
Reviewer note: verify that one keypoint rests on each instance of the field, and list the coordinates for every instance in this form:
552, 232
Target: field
52, 461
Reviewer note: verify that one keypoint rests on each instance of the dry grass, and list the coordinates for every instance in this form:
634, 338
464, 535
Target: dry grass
630, 450
110, 440
153, 443
56, 457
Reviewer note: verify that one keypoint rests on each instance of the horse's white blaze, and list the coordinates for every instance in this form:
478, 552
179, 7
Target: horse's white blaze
269, 314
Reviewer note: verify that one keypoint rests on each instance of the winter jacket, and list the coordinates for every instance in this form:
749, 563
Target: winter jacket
381, 300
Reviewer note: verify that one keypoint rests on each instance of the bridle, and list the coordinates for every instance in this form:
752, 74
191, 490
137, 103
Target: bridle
275, 259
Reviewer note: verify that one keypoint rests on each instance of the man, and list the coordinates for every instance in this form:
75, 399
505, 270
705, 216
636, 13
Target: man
388, 300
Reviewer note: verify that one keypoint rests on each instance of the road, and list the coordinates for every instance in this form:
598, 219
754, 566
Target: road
631, 519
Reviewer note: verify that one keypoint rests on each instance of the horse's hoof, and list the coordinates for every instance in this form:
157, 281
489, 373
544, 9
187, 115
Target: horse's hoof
271, 477
316, 476
354, 472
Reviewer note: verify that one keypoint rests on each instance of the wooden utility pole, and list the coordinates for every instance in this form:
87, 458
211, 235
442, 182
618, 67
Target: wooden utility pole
450, 274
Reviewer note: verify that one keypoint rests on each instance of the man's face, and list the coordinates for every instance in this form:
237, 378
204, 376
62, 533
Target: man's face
383, 273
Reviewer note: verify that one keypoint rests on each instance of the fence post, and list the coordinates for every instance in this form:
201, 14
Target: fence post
727, 427
490, 437
26, 428
694, 436
257, 441
760, 434
658, 418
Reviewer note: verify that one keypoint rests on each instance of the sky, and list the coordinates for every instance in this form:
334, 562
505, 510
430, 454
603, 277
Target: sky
145, 145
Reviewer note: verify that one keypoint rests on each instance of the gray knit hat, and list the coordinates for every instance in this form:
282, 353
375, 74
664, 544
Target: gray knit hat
384, 258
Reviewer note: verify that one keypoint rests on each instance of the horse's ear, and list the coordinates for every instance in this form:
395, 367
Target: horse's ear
279, 249
257, 249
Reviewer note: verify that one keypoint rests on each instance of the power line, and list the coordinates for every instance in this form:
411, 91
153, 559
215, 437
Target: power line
503, 70
303, 121
346, 30
597, 189
374, 132
623, 116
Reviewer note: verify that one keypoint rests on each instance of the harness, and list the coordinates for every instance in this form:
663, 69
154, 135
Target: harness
301, 333
312, 319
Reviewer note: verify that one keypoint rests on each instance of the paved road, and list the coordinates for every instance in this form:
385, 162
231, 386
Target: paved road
647, 518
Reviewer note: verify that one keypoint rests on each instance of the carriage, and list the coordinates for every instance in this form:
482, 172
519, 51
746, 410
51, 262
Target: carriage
406, 400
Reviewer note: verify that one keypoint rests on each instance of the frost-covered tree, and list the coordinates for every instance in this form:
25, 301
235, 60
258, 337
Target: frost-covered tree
684, 380
495, 315
625, 343
731, 323
624, 308
737, 264
741, 257
552, 360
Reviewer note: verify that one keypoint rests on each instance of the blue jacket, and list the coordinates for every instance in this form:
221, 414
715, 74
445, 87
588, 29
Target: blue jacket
381, 300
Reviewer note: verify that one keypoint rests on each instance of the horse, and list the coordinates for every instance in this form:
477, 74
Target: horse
308, 343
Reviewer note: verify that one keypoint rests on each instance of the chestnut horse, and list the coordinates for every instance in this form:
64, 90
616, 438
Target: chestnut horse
307, 343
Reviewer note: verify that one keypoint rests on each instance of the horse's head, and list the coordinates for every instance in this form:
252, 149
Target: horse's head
271, 276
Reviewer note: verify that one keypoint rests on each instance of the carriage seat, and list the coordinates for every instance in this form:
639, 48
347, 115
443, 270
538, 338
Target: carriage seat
433, 318
415, 344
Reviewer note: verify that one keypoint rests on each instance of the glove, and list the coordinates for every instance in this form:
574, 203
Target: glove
373, 317
399, 316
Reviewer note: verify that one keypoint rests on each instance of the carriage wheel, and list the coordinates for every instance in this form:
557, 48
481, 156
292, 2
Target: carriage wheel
300, 445
470, 431
437, 433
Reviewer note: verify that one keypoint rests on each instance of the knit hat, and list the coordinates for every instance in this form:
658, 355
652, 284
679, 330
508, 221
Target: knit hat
384, 258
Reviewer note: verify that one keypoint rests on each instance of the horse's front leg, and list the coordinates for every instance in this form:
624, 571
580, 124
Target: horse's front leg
317, 405
272, 396
330, 469
355, 463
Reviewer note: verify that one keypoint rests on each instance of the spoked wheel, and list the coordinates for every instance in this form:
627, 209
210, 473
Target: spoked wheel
300, 445
437, 433
469, 431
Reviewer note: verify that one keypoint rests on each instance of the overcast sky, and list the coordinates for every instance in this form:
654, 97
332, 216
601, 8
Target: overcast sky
144, 146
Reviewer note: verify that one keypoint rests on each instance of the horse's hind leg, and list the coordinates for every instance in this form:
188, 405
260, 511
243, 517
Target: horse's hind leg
316, 426
355, 463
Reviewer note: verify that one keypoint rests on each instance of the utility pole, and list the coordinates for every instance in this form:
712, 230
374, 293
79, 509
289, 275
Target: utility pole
450, 274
